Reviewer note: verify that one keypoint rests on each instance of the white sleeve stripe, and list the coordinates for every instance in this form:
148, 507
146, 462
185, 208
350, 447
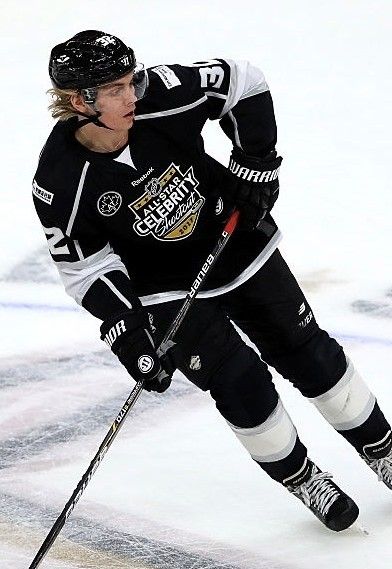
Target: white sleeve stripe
116, 291
235, 86
172, 111
213, 94
236, 133
253, 92
79, 276
245, 81
77, 199
86, 262
78, 250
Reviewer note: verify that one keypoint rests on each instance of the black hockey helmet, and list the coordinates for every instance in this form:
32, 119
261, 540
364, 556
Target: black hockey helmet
89, 59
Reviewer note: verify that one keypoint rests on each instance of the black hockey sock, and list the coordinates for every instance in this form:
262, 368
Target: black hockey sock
372, 430
279, 470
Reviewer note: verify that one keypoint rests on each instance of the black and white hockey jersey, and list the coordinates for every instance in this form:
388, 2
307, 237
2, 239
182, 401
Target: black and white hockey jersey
138, 223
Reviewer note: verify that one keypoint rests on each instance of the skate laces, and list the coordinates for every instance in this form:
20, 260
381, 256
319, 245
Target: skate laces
382, 467
318, 492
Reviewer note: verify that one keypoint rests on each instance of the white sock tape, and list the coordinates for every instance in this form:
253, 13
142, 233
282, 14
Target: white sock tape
272, 440
348, 404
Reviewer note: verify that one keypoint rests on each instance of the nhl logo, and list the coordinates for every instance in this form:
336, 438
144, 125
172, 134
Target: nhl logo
195, 363
153, 187
109, 203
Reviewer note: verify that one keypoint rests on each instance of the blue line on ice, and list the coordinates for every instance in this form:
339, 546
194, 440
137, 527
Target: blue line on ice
33, 306
362, 339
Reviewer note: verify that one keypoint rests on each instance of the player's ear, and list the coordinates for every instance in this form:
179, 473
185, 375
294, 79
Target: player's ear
78, 103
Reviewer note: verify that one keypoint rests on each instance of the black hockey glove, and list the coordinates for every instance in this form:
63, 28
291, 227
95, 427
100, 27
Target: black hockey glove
129, 336
257, 186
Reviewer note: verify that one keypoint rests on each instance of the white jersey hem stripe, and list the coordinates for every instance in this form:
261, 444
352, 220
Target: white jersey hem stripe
251, 270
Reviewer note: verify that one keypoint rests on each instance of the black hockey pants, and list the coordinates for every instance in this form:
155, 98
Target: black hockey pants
272, 311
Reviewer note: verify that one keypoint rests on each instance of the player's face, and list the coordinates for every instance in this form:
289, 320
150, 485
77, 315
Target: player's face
116, 102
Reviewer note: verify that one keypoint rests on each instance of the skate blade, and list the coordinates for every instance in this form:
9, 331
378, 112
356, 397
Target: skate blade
359, 528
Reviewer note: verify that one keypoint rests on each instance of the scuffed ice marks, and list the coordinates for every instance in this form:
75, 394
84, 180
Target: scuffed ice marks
86, 543
19, 373
87, 421
83, 543
380, 308
90, 543
103, 547
37, 267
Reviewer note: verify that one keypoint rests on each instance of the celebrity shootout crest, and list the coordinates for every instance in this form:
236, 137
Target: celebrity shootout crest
169, 207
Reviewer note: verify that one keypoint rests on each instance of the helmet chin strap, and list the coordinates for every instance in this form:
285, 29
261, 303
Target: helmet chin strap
91, 119
89, 96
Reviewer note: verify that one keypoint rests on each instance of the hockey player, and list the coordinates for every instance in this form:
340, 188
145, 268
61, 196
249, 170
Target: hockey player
131, 205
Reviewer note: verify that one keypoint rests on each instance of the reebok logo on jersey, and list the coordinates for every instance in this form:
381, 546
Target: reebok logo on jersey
42, 194
252, 175
114, 332
142, 178
167, 75
171, 211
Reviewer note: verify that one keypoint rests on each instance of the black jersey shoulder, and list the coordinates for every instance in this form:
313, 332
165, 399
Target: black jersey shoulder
60, 151
63, 167
174, 86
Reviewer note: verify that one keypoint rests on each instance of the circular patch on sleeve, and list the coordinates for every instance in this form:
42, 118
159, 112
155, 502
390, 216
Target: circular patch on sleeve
109, 203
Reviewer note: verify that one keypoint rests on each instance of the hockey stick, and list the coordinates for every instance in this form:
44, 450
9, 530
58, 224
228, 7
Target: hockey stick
135, 393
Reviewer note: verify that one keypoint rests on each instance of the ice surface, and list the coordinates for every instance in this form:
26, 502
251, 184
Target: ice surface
176, 489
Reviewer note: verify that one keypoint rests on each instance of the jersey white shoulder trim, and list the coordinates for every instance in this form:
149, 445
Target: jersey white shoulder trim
172, 111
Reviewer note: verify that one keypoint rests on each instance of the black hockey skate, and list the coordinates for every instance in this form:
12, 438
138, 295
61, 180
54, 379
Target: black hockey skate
379, 457
324, 498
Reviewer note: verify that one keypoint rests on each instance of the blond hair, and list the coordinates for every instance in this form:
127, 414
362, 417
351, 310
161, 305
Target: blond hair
61, 107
